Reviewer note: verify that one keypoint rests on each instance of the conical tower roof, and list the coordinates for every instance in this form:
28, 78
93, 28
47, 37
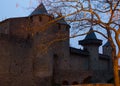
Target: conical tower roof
90, 39
39, 10
62, 21
91, 35
107, 44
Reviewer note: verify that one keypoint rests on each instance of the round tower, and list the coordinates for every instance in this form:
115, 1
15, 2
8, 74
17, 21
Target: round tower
42, 62
91, 44
107, 50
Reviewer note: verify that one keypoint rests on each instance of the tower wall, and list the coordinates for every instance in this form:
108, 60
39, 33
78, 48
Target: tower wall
107, 50
22, 61
15, 63
91, 44
4, 27
19, 27
94, 56
61, 51
42, 36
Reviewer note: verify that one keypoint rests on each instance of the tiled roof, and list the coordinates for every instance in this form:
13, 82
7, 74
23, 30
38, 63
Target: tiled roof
39, 10
91, 35
107, 43
90, 39
62, 21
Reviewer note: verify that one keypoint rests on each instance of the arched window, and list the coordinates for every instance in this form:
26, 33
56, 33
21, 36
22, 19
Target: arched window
110, 80
55, 60
40, 18
28, 36
87, 80
75, 83
31, 19
65, 83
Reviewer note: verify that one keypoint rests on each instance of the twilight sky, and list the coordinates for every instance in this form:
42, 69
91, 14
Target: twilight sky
19, 8
16, 8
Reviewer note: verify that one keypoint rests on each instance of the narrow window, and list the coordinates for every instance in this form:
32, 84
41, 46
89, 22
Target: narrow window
75, 83
59, 26
31, 19
40, 18
65, 83
87, 80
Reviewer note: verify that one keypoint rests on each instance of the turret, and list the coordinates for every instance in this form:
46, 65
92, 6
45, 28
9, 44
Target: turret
62, 47
64, 29
45, 66
42, 61
91, 44
107, 50
39, 10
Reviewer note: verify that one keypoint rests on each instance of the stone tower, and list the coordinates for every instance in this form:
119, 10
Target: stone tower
48, 65
23, 40
60, 51
34, 52
91, 44
107, 50
39, 10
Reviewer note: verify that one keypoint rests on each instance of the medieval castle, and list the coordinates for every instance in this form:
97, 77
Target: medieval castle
31, 53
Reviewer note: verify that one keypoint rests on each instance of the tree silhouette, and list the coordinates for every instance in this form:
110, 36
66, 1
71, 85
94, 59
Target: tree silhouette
84, 14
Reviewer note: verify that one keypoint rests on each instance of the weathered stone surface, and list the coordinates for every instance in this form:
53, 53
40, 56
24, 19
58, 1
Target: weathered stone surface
35, 53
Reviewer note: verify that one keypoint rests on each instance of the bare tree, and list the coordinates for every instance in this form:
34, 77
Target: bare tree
83, 14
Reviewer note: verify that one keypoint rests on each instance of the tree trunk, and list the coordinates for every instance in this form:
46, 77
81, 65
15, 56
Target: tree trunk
116, 73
